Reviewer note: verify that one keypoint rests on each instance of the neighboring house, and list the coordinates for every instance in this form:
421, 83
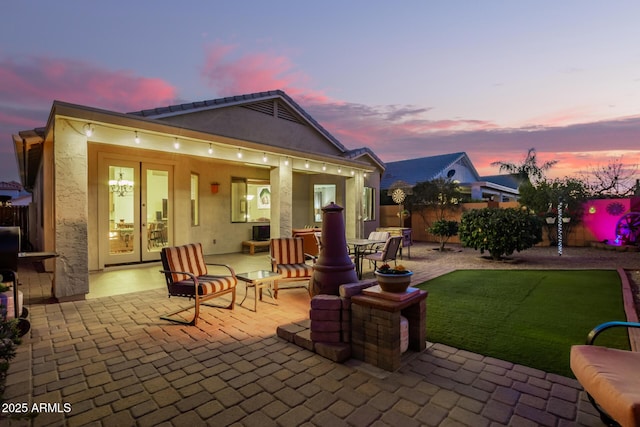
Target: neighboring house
454, 166
12, 194
115, 188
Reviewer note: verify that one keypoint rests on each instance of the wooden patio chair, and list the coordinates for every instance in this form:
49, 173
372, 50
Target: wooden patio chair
610, 377
187, 276
288, 258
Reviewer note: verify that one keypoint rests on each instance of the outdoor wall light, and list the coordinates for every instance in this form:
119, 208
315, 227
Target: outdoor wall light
88, 129
137, 138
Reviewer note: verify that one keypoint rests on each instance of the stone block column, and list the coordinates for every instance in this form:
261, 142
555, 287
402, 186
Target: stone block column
375, 327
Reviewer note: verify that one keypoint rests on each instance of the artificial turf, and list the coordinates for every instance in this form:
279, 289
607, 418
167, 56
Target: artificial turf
528, 317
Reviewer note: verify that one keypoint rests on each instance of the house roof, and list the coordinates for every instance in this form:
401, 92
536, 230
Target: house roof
505, 180
255, 99
10, 186
365, 152
413, 171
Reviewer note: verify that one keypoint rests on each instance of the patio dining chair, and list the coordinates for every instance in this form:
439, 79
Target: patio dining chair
288, 259
388, 253
379, 236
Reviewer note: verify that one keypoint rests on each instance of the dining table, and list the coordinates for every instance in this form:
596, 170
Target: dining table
360, 247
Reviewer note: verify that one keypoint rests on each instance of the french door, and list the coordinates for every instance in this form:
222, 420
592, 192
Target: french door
135, 210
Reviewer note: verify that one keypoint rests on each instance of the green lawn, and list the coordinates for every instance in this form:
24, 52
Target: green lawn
529, 317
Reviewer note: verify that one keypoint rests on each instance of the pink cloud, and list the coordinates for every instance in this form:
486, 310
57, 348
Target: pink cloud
561, 118
231, 72
33, 81
29, 85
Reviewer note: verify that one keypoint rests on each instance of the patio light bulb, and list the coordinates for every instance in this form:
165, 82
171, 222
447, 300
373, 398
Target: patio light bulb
352, 172
210, 149
339, 169
264, 157
239, 153
306, 164
176, 144
324, 166
286, 161
88, 129
137, 138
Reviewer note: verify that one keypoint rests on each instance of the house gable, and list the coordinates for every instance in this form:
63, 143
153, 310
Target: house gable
270, 118
455, 166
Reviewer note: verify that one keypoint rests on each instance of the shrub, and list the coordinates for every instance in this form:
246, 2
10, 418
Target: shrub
444, 230
500, 231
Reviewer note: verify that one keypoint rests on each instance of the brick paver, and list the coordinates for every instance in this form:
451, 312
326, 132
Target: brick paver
116, 363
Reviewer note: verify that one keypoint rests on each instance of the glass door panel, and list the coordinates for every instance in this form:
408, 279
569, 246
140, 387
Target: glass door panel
122, 231
156, 210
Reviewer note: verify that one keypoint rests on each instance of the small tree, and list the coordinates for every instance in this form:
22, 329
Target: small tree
439, 196
616, 179
528, 169
444, 230
543, 198
500, 231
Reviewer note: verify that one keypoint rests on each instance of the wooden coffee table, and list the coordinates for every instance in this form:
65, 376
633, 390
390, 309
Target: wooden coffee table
259, 280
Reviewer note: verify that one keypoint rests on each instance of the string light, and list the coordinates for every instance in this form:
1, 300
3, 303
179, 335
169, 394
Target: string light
286, 161
137, 138
210, 148
239, 153
352, 172
306, 164
264, 157
176, 144
324, 166
339, 169
88, 129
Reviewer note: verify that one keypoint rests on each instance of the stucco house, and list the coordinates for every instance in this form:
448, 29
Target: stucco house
454, 166
114, 188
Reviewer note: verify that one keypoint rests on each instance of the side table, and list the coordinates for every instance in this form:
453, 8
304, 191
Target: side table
259, 280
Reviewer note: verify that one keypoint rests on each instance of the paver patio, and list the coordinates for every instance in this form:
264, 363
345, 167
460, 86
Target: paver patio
117, 364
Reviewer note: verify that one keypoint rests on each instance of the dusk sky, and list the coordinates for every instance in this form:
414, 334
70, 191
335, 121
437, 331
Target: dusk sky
406, 78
